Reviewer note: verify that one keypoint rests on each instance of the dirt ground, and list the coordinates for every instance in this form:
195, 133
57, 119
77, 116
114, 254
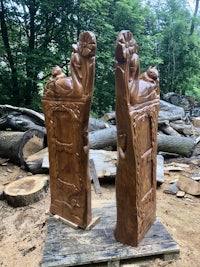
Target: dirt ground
23, 229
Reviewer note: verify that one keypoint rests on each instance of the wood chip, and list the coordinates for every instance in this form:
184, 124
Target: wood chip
180, 193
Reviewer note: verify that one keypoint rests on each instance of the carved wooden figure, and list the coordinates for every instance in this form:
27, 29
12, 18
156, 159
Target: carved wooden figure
137, 104
66, 104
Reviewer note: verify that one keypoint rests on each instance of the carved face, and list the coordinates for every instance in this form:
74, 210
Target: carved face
152, 73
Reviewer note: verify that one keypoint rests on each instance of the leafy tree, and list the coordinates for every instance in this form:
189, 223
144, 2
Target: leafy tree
32, 41
36, 35
177, 48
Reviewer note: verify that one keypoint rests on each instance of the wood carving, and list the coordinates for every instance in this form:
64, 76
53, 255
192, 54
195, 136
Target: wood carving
66, 104
137, 103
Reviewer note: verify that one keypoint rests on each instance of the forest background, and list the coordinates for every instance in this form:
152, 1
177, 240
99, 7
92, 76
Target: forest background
36, 35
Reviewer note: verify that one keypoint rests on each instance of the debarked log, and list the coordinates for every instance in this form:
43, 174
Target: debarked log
17, 146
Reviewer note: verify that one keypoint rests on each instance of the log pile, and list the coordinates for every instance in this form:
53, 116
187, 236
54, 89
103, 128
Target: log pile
23, 134
23, 139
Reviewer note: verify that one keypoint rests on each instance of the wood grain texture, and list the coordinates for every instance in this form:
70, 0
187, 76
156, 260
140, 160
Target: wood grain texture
137, 104
27, 190
66, 104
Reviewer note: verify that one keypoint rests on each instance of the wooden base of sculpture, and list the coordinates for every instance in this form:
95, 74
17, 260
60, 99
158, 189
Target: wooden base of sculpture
65, 246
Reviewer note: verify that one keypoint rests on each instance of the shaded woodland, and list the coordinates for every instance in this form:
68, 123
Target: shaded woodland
36, 35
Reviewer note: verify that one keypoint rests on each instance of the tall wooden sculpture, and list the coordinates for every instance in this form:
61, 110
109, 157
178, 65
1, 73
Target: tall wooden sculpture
66, 104
137, 104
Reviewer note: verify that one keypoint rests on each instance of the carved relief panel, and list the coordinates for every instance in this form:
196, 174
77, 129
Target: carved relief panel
137, 103
66, 104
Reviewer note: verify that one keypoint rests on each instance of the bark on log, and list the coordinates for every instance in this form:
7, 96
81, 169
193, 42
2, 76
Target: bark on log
103, 138
36, 116
33, 163
26, 190
172, 144
17, 146
97, 124
169, 110
167, 129
176, 144
23, 119
19, 122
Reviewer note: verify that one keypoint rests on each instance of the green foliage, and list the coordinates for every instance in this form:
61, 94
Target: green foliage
36, 35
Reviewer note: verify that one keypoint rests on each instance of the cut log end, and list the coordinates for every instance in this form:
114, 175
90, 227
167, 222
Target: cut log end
27, 190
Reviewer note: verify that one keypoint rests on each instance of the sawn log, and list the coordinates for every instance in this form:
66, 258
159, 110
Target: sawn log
17, 146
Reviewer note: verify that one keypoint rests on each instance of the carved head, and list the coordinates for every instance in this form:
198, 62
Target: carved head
152, 72
56, 71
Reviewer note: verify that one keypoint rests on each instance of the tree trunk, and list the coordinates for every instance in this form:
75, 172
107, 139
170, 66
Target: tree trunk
17, 146
97, 124
103, 138
194, 17
5, 38
173, 144
35, 116
176, 144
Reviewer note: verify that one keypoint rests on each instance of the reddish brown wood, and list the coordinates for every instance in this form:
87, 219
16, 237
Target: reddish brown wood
137, 103
66, 105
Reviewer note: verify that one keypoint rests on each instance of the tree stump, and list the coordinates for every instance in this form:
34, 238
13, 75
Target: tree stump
26, 190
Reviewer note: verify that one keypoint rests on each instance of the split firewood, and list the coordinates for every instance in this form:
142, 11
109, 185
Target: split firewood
26, 190
33, 163
17, 146
187, 102
182, 128
167, 129
189, 186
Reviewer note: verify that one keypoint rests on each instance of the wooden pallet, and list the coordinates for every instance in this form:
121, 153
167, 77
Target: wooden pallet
65, 246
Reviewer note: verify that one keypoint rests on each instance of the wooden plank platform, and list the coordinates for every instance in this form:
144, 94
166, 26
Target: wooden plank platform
65, 246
